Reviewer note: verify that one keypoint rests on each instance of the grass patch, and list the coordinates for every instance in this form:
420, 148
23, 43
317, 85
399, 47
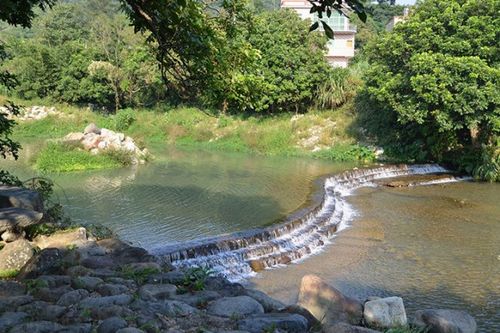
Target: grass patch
192, 128
8, 273
57, 157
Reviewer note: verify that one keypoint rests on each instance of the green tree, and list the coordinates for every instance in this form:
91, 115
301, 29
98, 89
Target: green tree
432, 91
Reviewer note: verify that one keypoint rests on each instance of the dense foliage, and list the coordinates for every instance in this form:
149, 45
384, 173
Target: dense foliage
432, 90
84, 52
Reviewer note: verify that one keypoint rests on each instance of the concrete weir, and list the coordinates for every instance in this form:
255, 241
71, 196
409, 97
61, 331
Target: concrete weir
303, 233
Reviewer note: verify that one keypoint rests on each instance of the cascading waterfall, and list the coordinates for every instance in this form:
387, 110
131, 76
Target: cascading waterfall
240, 255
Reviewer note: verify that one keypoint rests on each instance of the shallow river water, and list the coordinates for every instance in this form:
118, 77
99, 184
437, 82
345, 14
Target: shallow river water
436, 246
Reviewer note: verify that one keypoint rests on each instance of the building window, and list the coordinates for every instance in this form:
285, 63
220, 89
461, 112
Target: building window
336, 21
349, 43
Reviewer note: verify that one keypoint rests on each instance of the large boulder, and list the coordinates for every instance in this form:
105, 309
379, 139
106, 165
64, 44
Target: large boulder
239, 306
327, 304
385, 312
45, 262
62, 239
18, 197
18, 218
15, 255
291, 323
445, 321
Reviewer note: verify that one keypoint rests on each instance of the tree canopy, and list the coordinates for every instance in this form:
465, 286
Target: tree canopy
432, 90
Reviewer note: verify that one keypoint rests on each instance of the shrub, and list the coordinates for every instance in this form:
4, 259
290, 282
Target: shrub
123, 119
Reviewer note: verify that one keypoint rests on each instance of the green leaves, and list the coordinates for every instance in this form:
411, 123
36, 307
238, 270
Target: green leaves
435, 80
328, 30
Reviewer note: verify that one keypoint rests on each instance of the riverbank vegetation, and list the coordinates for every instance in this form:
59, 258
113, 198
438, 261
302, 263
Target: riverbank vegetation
255, 80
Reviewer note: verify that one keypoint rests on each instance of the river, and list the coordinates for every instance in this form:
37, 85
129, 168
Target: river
436, 246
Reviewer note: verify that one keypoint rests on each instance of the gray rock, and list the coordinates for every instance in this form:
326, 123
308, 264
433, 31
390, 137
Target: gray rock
168, 308
10, 303
77, 328
346, 328
10, 319
51, 294
86, 282
126, 282
239, 306
98, 262
386, 312
224, 287
54, 281
311, 320
16, 254
111, 325
129, 330
291, 323
92, 128
198, 298
41, 310
172, 277
10, 288
110, 289
445, 321
95, 302
37, 327
18, 218
105, 312
176, 309
47, 261
157, 291
18, 197
73, 297
327, 304
269, 303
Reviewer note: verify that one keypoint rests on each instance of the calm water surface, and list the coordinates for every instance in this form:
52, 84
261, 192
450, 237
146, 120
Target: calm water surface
436, 246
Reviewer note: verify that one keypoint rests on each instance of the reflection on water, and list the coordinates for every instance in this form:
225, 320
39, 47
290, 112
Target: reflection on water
188, 195
436, 246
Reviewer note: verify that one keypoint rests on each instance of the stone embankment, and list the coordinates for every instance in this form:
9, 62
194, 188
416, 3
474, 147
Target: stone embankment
70, 282
97, 140
32, 113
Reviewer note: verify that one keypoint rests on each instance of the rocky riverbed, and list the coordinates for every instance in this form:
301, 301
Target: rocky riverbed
70, 281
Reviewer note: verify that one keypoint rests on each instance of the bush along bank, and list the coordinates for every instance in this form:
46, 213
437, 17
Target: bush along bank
72, 281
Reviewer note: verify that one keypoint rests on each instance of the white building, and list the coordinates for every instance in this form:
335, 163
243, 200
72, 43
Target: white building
341, 48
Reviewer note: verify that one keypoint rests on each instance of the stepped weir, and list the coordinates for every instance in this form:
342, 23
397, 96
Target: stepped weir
303, 233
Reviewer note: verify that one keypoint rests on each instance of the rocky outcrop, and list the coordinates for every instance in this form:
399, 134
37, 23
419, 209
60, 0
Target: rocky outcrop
97, 140
19, 209
386, 312
32, 112
327, 304
445, 321
18, 197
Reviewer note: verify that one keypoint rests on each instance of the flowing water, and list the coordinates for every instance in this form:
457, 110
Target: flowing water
435, 245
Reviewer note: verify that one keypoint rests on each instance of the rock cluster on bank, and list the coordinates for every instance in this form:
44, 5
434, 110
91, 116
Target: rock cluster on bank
97, 140
32, 112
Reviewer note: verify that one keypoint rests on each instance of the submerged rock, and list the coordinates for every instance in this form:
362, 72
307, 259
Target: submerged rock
327, 304
386, 312
445, 321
